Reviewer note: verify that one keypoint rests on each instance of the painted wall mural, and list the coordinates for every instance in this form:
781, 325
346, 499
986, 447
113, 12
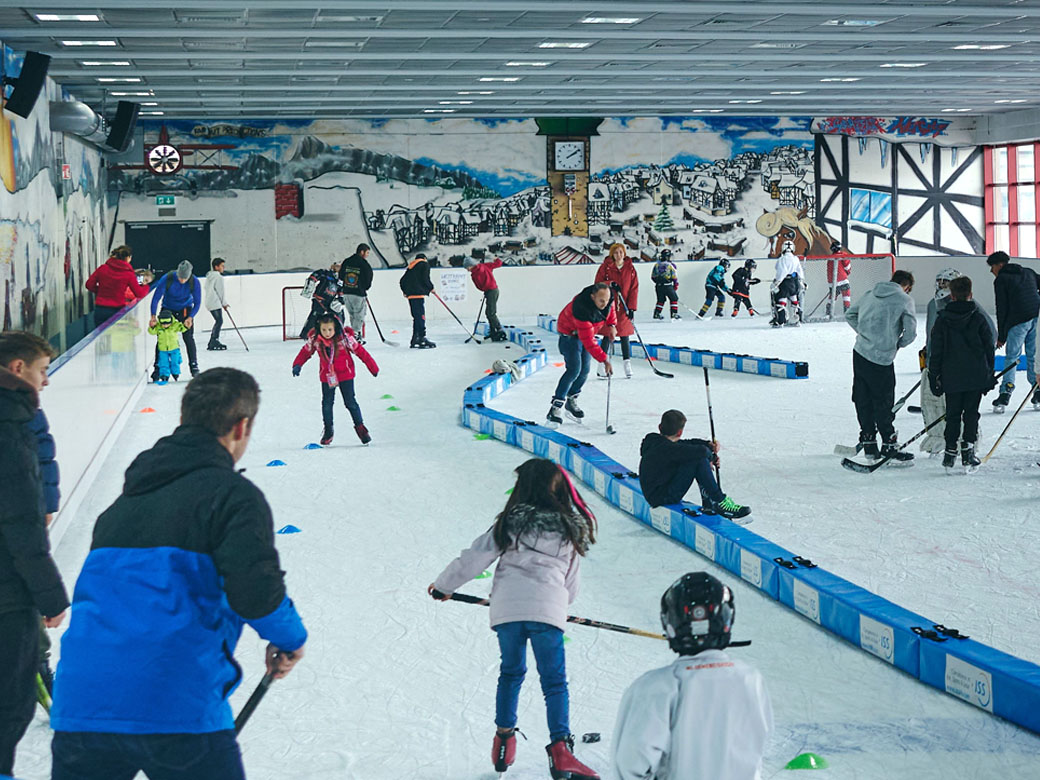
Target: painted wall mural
304, 192
52, 209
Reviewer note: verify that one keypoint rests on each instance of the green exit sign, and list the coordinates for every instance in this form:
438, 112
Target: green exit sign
165, 200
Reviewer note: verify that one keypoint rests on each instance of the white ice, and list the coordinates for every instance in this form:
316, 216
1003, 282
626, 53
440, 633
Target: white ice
394, 685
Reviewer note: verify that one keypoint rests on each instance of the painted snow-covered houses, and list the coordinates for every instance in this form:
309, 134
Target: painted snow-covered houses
600, 203
713, 194
663, 192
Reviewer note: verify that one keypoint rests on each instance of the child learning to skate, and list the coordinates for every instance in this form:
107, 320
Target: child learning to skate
166, 329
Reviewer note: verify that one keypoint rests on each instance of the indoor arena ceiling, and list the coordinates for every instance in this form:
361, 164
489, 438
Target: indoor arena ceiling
429, 58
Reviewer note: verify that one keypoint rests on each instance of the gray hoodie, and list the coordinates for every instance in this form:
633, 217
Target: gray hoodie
885, 321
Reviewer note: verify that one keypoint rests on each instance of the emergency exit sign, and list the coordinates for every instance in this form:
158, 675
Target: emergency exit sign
165, 200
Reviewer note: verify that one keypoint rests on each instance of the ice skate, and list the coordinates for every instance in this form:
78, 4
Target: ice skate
658, 315
675, 315
572, 409
362, 433
326, 436
503, 751
194, 368
601, 371
562, 763
627, 362
1001, 402
554, 419
216, 346
896, 456
422, 343
1035, 400
950, 461
869, 448
969, 459
729, 508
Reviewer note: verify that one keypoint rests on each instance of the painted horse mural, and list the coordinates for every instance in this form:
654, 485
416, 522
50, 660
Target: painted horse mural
788, 224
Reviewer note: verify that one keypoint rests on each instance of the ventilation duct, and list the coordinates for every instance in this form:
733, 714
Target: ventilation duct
71, 116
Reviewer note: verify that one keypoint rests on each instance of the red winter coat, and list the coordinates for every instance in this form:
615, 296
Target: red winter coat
111, 280
484, 275
336, 365
585, 321
628, 280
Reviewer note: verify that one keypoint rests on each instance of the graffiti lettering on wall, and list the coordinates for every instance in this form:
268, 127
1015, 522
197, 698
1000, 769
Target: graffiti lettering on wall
902, 128
238, 131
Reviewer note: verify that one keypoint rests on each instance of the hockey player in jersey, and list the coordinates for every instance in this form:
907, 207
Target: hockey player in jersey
665, 277
707, 715
838, 280
715, 289
741, 292
787, 287
323, 287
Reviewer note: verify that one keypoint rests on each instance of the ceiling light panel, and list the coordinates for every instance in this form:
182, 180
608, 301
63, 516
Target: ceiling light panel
612, 20
67, 17
79, 42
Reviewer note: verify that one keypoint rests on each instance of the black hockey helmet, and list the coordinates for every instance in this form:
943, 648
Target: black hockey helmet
750, 264
665, 255
724, 263
697, 613
835, 247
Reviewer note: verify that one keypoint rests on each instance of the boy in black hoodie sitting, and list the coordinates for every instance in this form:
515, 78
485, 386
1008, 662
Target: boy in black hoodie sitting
960, 365
669, 465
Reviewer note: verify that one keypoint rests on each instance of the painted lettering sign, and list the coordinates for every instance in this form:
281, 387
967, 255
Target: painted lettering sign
903, 126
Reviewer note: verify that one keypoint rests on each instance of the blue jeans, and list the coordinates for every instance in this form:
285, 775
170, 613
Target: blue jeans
328, 399
84, 755
547, 643
1022, 334
218, 321
578, 360
685, 474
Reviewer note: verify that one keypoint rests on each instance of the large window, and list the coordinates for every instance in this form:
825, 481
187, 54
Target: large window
1012, 218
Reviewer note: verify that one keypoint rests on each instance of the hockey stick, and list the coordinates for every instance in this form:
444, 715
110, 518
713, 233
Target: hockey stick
378, 329
610, 428
253, 701
468, 599
471, 335
42, 695
642, 343
711, 422
691, 311
1021, 406
233, 325
899, 404
864, 468
477, 322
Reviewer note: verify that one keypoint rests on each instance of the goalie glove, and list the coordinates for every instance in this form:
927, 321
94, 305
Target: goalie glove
308, 288
336, 306
774, 287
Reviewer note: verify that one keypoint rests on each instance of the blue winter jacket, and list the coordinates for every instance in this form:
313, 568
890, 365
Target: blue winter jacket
177, 295
45, 450
178, 564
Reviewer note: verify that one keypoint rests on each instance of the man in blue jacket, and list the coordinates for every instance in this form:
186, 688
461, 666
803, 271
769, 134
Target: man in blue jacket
182, 560
180, 292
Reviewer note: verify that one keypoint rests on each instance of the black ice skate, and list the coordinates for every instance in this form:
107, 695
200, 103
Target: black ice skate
969, 460
194, 368
326, 436
896, 456
422, 343
1035, 400
554, 419
950, 461
1001, 402
362, 433
573, 410
216, 346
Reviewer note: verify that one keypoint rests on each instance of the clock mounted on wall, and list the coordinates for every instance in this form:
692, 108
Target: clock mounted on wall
569, 155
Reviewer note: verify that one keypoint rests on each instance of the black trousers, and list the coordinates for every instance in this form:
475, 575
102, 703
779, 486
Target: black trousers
19, 659
962, 406
686, 474
874, 394
626, 346
742, 298
417, 306
189, 340
666, 291
218, 322
102, 313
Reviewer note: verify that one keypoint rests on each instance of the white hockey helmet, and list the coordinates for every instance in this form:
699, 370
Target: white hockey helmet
942, 282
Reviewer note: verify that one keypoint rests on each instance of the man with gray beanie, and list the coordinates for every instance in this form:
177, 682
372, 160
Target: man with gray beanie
180, 292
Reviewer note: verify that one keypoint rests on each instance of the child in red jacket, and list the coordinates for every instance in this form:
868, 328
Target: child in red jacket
333, 343
484, 279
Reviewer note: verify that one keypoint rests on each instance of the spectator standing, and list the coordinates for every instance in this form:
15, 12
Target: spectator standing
180, 292
110, 283
619, 272
216, 303
355, 276
1018, 303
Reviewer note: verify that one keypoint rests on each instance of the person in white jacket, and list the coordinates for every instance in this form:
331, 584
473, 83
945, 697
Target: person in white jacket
706, 716
538, 541
787, 286
215, 301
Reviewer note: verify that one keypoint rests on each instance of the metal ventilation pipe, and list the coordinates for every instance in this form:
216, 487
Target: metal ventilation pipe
71, 116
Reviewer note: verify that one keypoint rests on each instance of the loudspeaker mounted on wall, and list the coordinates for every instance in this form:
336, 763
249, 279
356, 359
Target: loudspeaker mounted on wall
122, 129
28, 84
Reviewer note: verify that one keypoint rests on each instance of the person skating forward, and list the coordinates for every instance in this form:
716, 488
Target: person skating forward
590, 312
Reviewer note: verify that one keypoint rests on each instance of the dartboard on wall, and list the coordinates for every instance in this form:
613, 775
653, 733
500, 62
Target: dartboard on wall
164, 159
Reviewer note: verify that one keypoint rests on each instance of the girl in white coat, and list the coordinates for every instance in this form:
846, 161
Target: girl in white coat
538, 541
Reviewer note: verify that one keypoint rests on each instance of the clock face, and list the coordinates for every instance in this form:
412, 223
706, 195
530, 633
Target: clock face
164, 159
569, 156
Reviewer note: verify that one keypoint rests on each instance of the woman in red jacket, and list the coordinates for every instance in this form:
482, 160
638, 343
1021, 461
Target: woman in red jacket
334, 344
589, 313
620, 273
110, 282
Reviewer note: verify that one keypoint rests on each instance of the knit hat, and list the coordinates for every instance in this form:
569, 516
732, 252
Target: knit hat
468, 262
184, 270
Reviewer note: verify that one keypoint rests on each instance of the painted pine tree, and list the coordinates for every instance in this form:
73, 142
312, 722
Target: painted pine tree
663, 221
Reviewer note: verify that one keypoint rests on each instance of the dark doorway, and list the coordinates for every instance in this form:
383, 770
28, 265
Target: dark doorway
162, 245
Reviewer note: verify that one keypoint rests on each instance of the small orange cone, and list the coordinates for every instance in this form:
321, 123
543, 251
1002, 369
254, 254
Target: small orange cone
148, 410
559, 364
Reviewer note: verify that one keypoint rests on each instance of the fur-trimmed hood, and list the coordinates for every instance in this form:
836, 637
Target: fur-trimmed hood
529, 521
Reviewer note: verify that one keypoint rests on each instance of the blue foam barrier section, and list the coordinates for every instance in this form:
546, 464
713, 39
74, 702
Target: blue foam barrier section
985, 677
998, 363
721, 361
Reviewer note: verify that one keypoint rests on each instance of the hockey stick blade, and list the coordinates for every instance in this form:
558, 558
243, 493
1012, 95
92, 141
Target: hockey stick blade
846, 451
865, 468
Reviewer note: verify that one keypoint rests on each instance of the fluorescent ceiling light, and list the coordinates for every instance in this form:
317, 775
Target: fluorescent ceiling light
855, 22
564, 44
153, 113
983, 46
438, 110
904, 64
128, 80
789, 92
455, 102
89, 43
149, 93
149, 104
321, 43
481, 92
499, 78
531, 64
1005, 100
745, 101
956, 110
611, 20
100, 63
67, 17
778, 45
707, 111
353, 19
845, 79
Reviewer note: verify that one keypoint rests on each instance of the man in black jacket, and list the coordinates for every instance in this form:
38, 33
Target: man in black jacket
960, 365
416, 285
355, 274
29, 581
178, 565
669, 465
1018, 303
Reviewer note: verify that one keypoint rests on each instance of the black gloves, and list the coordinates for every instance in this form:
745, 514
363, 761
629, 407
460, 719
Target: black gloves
296, 370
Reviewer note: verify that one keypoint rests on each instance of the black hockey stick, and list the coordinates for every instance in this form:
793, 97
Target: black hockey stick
233, 325
642, 343
711, 422
253, 701
378, 329
864, 468
1021, 406
446, 306
899, 404
477, 322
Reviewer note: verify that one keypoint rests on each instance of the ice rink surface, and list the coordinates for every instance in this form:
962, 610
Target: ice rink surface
394, 685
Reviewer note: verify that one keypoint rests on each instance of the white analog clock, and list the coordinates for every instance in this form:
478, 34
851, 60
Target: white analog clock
569, 156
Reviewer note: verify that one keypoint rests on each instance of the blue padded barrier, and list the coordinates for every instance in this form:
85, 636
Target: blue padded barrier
723, 361
998, 363
980, 675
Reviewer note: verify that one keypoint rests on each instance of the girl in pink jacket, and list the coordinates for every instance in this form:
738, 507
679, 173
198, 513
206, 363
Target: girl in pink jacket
538, 541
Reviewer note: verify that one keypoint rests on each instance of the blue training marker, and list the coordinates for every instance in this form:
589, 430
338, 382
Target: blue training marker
311, 446
289, 529
276, 463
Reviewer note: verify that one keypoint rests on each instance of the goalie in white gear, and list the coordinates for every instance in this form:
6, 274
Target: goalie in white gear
787, 287
706, 715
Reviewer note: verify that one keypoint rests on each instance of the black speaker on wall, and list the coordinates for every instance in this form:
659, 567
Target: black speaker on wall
28, 84
122, 127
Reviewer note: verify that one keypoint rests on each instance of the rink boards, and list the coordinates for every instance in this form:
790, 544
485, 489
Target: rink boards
973, 672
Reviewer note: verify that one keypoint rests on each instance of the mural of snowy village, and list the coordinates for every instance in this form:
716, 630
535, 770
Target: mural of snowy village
481, 188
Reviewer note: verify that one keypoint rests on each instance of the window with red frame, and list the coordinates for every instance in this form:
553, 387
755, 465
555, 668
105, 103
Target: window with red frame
1012, 174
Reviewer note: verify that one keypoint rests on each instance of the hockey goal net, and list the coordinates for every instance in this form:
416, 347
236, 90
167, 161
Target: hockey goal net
834, 282
295, 310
